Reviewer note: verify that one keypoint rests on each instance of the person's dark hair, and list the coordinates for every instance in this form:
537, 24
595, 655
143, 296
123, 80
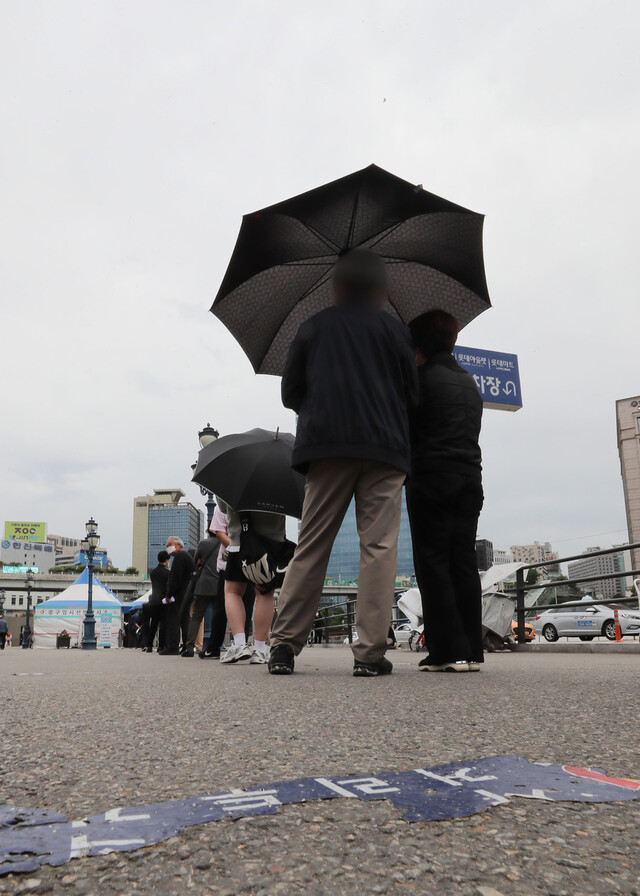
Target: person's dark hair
163, 556
360, 272
435, 331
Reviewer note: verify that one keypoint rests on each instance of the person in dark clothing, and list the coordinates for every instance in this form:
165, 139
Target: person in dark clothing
350, 376
4, 631
445, 497
182, 568
152, 609
205, 590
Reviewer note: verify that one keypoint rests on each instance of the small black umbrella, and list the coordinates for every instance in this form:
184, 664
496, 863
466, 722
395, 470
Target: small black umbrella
280, 271
252, 471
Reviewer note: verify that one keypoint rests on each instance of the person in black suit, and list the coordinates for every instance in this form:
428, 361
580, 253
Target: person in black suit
152, 610
182, 568
445, 497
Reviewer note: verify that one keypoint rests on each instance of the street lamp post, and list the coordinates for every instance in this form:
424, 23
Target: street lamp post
206, 436
26, 631
89, 544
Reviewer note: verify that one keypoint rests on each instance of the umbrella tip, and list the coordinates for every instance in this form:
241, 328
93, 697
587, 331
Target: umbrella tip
277, 432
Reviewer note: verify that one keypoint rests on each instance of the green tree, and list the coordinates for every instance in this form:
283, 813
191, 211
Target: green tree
532, 576
131, 571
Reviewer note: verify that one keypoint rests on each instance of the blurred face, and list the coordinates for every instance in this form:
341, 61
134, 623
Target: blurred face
373, 297
172, 547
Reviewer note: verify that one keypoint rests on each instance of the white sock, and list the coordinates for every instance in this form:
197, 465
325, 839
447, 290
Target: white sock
239, 640
260, 645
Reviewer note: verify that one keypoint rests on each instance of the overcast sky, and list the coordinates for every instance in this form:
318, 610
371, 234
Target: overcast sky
136, 134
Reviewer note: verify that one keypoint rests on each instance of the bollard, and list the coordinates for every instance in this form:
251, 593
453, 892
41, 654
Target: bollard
616, 621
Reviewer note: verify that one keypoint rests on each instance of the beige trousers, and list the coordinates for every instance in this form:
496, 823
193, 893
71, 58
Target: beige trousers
330, 486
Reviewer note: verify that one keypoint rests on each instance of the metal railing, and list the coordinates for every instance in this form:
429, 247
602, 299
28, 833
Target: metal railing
522, 587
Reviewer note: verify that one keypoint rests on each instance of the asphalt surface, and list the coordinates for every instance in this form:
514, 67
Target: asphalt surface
119, 728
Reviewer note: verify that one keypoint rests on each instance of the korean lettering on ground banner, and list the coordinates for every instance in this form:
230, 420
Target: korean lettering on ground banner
33, 837
497, 376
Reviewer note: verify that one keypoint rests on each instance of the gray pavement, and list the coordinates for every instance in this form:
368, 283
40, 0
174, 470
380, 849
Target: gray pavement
121, 728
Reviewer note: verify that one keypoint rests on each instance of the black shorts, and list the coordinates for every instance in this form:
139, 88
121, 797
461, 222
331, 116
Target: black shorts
233, 572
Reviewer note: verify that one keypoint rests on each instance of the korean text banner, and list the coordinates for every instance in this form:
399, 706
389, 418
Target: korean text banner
496, 374
23, 531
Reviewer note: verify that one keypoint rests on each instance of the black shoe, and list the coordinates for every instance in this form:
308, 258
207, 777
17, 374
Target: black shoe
372, 670
281, 660
187, 652
209, 654
169, 651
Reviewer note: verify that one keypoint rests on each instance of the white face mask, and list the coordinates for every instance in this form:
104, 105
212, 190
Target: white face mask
171, 549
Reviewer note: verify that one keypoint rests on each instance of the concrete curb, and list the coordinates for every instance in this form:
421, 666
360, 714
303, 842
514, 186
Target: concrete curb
609, 647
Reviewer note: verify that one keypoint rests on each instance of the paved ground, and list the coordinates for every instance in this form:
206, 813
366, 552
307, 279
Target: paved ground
96, 731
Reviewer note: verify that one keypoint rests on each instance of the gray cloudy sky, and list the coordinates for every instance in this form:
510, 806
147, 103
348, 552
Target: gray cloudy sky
135, 135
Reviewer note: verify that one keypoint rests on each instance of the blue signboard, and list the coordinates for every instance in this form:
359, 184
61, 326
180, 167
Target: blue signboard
99, 558
496, 374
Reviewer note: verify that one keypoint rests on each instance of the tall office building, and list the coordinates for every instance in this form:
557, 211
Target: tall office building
155, 518
628, 425
344, 563
484, 554
599, 566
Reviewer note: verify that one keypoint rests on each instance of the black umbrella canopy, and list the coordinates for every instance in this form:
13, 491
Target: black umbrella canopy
252, 471
280, 271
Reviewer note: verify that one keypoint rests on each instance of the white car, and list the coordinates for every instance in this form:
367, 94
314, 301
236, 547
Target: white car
586, 623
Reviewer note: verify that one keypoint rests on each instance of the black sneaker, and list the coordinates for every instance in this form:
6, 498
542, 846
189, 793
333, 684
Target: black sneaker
168, 651
372, 670
187, 652
209, 654
281, 661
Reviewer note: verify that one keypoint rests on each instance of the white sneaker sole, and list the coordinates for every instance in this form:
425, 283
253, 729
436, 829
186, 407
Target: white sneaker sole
236, 659
447, 667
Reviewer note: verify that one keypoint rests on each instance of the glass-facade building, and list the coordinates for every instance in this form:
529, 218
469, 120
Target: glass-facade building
183, 520
344, 564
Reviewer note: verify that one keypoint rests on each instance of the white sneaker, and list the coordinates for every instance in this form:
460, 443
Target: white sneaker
259, 657
474, 667
235, 653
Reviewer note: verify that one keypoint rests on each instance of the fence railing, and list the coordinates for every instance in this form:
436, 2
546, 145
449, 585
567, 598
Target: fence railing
522, 587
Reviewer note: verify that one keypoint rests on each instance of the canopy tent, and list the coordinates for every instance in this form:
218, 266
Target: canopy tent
136, 604
67, 610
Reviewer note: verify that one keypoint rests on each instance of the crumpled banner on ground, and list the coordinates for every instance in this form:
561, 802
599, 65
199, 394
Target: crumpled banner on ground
33, 837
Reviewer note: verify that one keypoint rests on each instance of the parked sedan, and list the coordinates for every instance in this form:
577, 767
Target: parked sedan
586, 623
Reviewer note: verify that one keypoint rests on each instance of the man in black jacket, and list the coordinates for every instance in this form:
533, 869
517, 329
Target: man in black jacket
350, 376
182, 568
152, 609
206, 588
444, 498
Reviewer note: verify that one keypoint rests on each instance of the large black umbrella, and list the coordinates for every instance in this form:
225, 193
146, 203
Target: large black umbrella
252, 471
280, 271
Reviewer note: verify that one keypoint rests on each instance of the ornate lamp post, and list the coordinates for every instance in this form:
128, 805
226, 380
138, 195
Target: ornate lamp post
26, 631
206, 436
89, 544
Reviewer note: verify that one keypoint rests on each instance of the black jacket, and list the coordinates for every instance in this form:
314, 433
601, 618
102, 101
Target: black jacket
182, 568
159, 578
351, 378
207, 557
446, 423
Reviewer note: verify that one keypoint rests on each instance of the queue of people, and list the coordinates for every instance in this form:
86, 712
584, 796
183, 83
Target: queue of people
378, 404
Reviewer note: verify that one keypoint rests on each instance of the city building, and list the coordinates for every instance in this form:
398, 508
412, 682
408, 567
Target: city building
537, 553
599, 566
528, 553
155, 518
501, 557
64, 545
33, 554
344, 563
628, 427
484, 554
